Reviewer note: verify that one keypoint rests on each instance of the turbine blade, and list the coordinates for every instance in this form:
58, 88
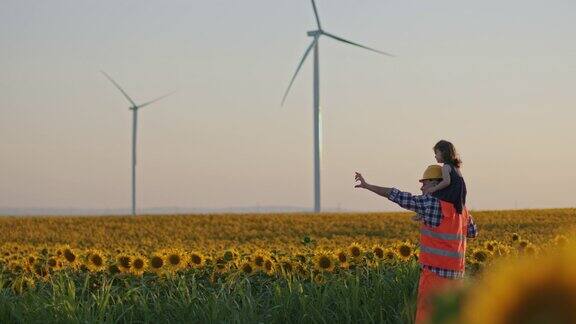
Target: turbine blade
355, 44
298, 68
159, 98
119, 88
316, 14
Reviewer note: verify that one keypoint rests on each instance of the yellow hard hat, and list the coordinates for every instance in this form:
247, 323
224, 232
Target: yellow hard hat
432, 172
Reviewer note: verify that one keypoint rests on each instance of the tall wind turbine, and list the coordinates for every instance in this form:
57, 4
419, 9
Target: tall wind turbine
134, 107
315, 34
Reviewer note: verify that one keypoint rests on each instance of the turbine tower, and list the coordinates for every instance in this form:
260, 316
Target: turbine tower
315, 34
134, 107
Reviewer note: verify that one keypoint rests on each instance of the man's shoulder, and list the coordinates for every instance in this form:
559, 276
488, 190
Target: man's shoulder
399, 194
408, 193
427, 196
430, 199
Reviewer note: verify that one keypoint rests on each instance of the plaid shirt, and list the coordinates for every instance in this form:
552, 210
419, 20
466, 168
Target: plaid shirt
428, 209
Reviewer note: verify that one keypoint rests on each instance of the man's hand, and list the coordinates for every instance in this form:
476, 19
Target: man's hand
362, 184
382, 191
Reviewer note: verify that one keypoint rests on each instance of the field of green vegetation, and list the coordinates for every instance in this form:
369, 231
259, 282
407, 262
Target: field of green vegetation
278, 268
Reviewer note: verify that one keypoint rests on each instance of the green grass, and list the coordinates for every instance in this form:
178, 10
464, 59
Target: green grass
381, 295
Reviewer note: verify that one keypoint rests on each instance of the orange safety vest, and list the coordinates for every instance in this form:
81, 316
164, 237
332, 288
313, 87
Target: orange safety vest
445, 246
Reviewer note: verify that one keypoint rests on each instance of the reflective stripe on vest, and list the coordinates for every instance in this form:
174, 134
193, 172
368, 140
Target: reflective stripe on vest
431, 250
442, 236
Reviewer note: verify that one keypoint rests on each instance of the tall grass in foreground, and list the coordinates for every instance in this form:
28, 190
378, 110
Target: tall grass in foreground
368, 295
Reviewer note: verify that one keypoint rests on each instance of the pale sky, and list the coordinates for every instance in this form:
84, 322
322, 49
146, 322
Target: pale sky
494, 77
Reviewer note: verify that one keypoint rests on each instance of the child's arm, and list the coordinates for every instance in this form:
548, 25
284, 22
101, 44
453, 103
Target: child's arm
445, 180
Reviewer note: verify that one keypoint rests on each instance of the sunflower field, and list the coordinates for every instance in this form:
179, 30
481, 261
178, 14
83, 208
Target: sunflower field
247, 268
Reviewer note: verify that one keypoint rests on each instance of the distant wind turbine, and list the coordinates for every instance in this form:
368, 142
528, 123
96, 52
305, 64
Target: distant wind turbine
134, 107
315, 34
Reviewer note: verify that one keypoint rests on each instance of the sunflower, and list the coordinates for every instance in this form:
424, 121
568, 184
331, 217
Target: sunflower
176, 259
300, 257
53, 264
355, 250
323, 261
515, 237
220, 266
259, 258
114, 269
124, 262
95, 260
269, 266
490, 245
246, 267
480, 255
301, 270
405, 250
209, 261
31, 259
220, 261
522, 244
286, 266
157, 262
230, 255
138, 265
378, 251
40, 270
390, 254
341, 256
69, 255
520, 292
196, 259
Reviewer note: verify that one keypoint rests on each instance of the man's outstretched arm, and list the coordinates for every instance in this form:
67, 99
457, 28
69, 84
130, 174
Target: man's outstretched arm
382, 191
426, 206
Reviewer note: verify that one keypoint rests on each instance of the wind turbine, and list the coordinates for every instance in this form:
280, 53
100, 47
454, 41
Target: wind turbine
134, 107
315, 34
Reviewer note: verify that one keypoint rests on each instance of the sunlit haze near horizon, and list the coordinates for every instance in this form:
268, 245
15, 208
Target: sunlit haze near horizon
494, 77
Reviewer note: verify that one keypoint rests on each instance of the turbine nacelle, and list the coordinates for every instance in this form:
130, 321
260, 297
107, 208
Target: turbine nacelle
315, 33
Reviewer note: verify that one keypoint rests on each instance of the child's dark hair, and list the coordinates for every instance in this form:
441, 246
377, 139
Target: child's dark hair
448, 152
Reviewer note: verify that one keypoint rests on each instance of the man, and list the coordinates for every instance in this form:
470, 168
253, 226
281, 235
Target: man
443, 235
